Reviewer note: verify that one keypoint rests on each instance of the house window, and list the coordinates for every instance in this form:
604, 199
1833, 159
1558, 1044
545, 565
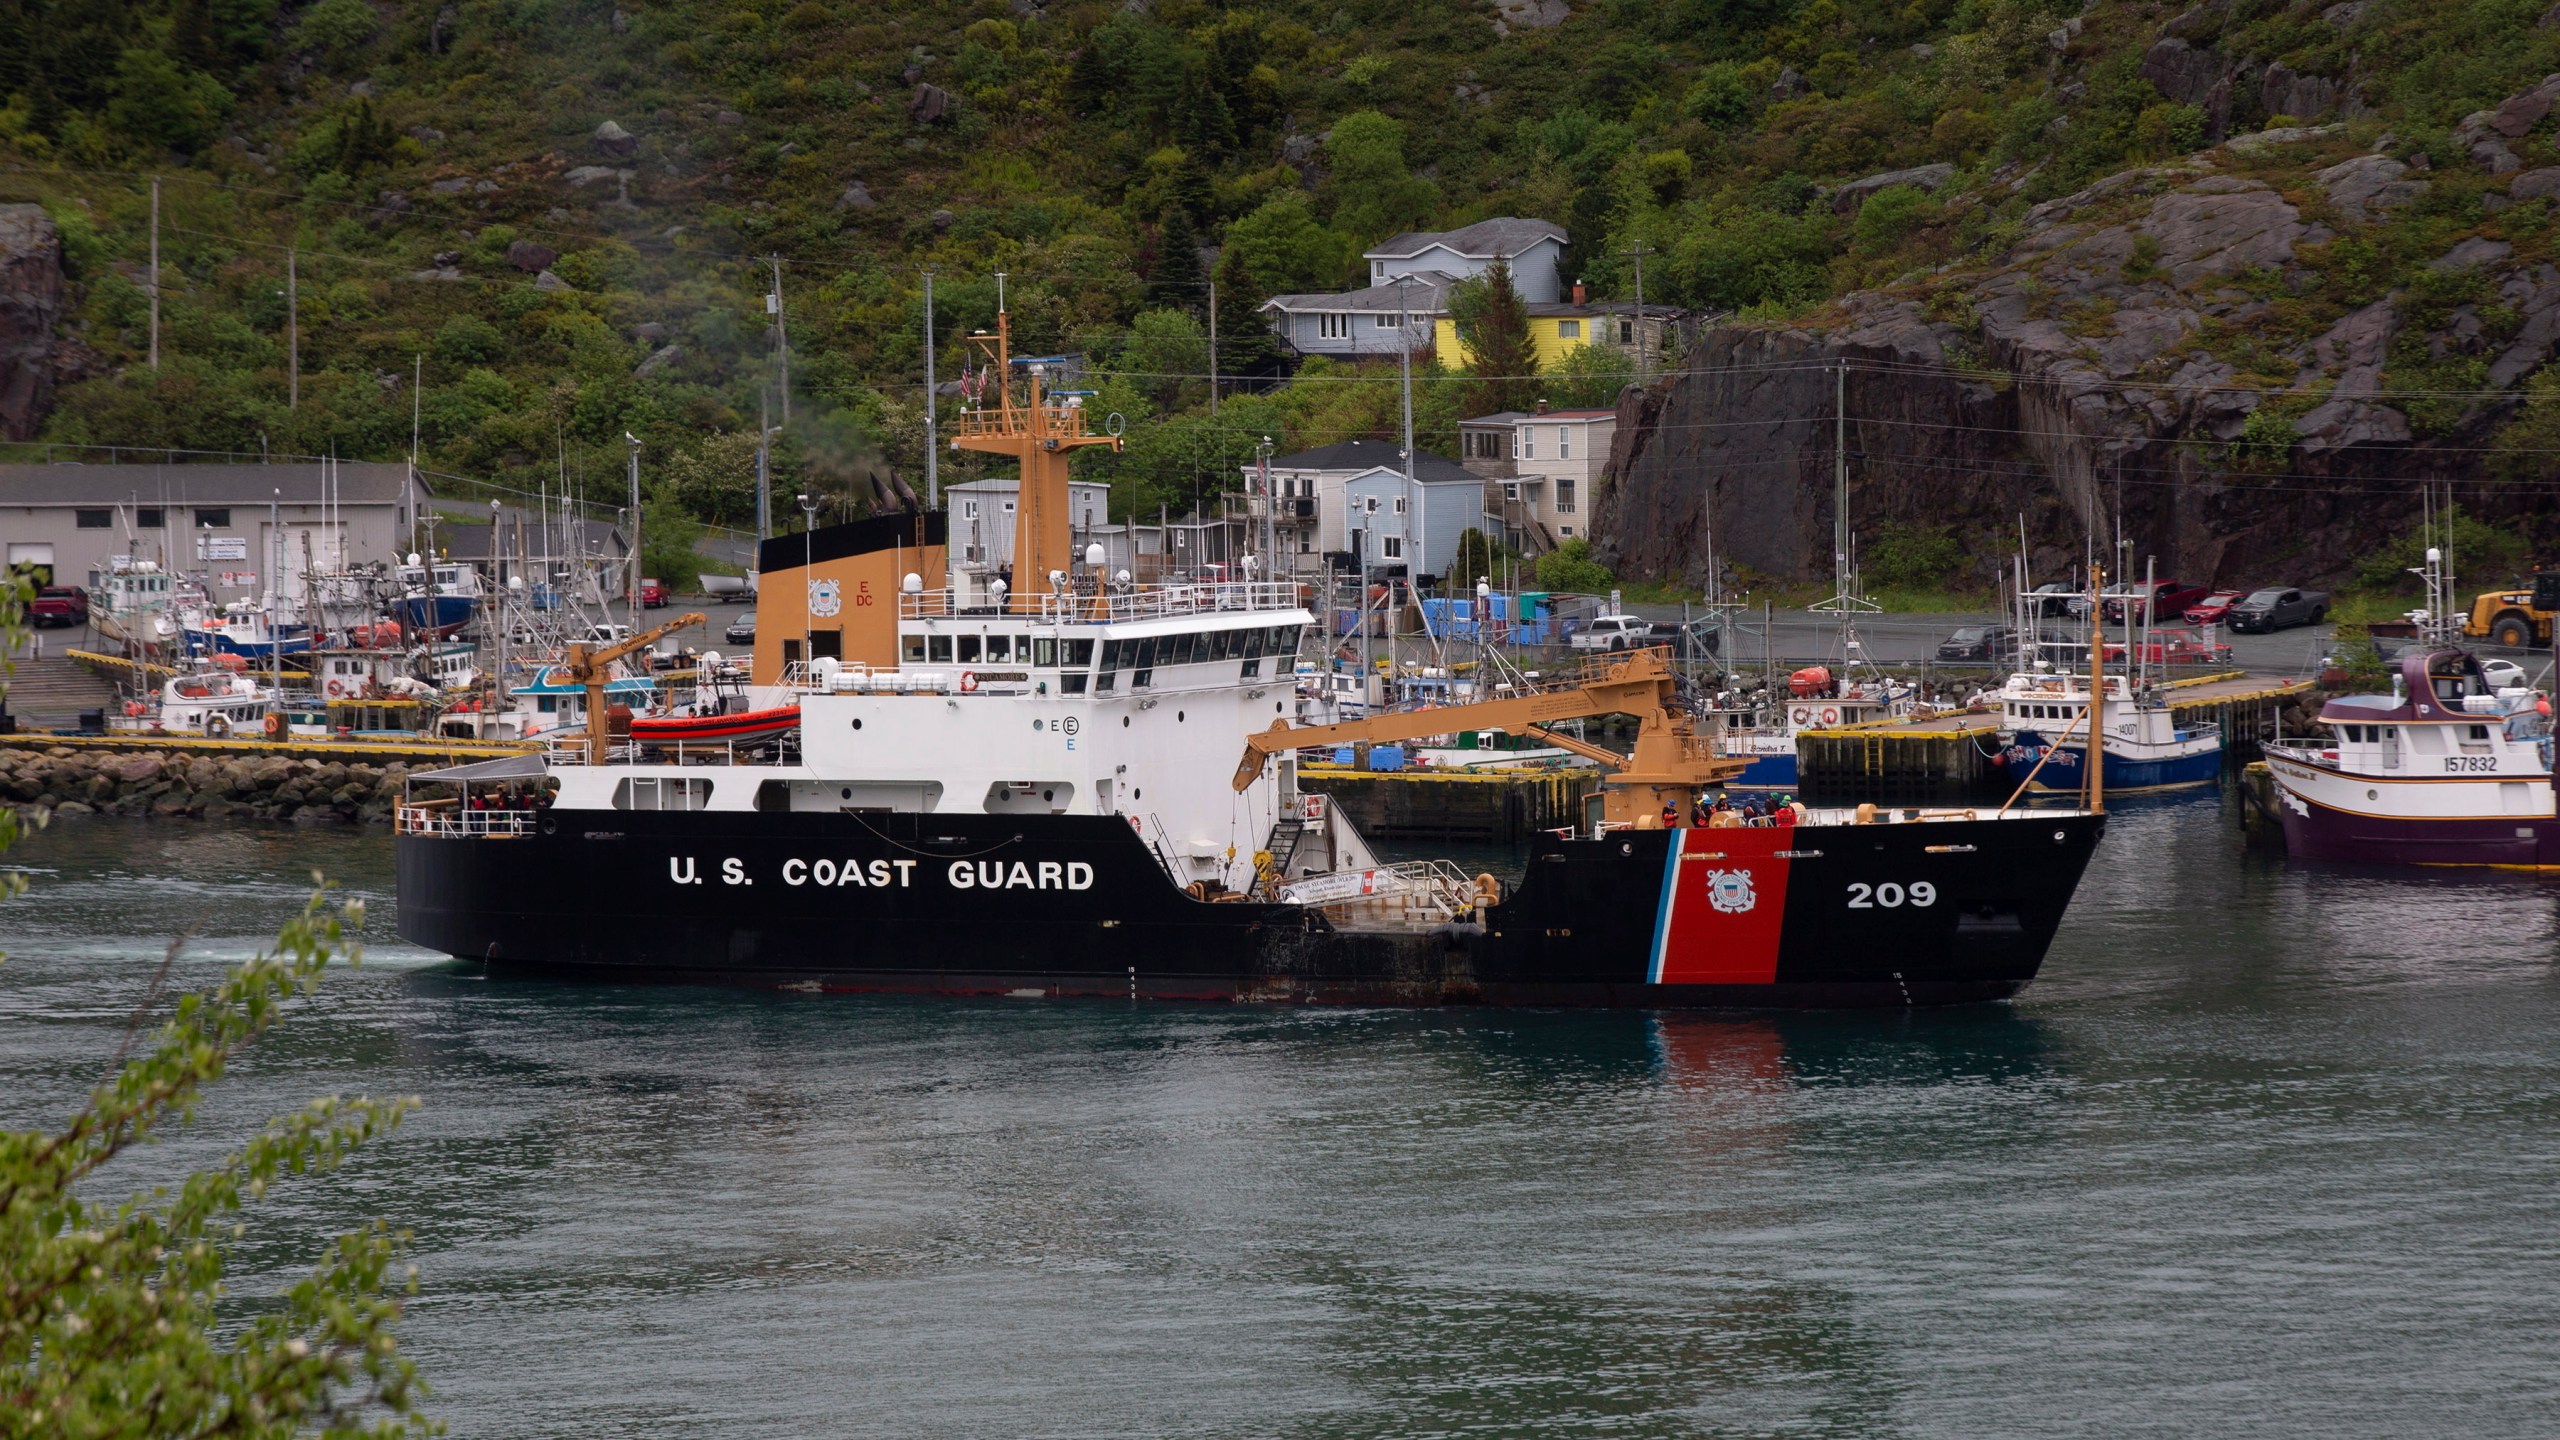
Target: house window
1383, 320
1528, 443
1564, 443
1377, 269
1399, 504
969, 509
213, 519
1369, 504
1568, 329
1008, 507
1566, 531
1564, 496
1626, 332
153, 518
92, 519
1330, 326
1392, 547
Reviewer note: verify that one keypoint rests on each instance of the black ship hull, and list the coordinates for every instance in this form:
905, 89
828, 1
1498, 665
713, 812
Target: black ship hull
1929, 913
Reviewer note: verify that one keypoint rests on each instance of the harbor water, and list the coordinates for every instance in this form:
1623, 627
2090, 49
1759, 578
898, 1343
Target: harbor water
2268, 1150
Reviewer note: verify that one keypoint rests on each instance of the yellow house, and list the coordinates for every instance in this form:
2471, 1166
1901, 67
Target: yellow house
1558, 329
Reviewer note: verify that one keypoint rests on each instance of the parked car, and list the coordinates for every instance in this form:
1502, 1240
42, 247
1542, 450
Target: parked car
2502, 674
653, 594
607, 634
741, 631
2278, 607
2211, 609
2056, 597
2177, 646
60, 605
2148, 598
1991, 644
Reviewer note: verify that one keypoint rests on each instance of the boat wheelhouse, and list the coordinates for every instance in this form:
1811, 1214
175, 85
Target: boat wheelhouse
130, 602
2444, 770
2044, 734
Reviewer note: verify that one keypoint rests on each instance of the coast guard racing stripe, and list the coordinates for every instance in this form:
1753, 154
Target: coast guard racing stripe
1724, 907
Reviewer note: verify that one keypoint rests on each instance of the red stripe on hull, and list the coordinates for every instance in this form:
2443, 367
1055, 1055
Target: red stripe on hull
1726, 908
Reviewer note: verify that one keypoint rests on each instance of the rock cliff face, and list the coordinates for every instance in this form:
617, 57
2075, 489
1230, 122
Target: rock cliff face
2109, 362
30, 305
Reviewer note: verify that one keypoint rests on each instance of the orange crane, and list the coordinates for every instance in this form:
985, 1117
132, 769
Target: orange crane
1670, 763
585, 666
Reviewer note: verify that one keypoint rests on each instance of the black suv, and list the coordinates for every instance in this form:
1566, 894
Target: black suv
1984, 643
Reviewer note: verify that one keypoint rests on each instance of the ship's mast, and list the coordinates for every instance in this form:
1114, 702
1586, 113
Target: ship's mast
1040, 437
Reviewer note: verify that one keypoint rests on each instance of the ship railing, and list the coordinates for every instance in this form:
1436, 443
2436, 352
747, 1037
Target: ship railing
451, 819
1420, 892
1153, 602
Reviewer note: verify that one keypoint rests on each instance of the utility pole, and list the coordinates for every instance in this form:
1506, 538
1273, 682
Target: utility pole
155, 272
1643, 339
1404, 362
932, 442
764, 464
781, 334
631, 578
292, 330
1213, 346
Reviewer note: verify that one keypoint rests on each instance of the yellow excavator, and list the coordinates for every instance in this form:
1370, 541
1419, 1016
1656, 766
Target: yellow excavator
1670, 763
588, 667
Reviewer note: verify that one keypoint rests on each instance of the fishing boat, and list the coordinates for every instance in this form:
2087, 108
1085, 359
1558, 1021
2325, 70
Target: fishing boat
214, 703
436, 600
2044, 736
2444, 770
1766, 744
251, 631
129, 601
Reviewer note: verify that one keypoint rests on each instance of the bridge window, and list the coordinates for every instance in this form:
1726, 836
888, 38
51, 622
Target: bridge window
999, 647
969, 648
938, 649
1044, 652
1078, 653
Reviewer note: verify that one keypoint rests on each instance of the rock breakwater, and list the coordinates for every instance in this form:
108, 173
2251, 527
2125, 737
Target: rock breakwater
69, 781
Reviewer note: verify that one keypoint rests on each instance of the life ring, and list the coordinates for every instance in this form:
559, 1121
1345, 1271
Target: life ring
1830, 714
1801, 714
968, 682
275, 726
1137, 825
337, 688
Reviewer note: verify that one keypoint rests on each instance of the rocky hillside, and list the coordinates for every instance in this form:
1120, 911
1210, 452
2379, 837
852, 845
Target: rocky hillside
532, 226
2250, 356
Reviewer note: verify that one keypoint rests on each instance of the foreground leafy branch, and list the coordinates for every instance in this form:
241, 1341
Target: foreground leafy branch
108, 1313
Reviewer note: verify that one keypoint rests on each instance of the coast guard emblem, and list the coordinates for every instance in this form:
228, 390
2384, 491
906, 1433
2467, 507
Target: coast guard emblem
826, 600
1730, 891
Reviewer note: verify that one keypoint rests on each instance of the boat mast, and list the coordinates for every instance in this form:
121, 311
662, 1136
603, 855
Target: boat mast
2093, 777
1040, 438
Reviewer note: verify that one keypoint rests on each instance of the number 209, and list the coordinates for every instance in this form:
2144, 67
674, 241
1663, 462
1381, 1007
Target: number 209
1889, 896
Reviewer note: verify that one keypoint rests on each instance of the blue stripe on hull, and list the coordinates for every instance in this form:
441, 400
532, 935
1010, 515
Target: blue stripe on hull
2122, 773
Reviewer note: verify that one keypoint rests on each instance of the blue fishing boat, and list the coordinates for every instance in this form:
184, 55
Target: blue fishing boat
436, 602
2045, 741
252, 634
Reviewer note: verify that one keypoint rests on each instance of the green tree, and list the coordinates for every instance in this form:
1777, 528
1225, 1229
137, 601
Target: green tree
1175, 281
1166, 352
107, 1311
1287, 248
1478, 555
1589, 377
1375, 195
1247, 347
162, 103
336, 26
1569, 568
1493, 324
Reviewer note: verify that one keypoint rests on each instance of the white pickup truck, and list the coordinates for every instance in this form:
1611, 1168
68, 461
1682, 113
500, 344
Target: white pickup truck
1621, 632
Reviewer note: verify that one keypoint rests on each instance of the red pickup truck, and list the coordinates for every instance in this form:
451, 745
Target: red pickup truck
2148, 598
60, 605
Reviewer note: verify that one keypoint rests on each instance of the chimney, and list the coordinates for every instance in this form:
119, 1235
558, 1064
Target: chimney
1577, 293
1542, 407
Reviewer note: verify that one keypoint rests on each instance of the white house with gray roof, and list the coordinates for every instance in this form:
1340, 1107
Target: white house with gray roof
1408, 293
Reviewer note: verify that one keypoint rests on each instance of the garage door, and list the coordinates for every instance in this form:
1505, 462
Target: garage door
37, 559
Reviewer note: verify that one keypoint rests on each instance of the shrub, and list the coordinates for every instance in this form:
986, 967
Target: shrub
1910, 556
1570, 568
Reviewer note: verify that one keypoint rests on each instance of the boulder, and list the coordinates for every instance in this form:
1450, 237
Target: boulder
585, 175
2542, 184
1921, 177
550, 283
2181, 72
658, 360
856, 196
133, 769
2363, 187
2478, 252
611, 139
2304, 97
2518, 114
31, 284
930, 103
530, 257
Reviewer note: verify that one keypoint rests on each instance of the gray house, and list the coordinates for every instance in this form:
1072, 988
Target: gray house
1532, 246
1408, 292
